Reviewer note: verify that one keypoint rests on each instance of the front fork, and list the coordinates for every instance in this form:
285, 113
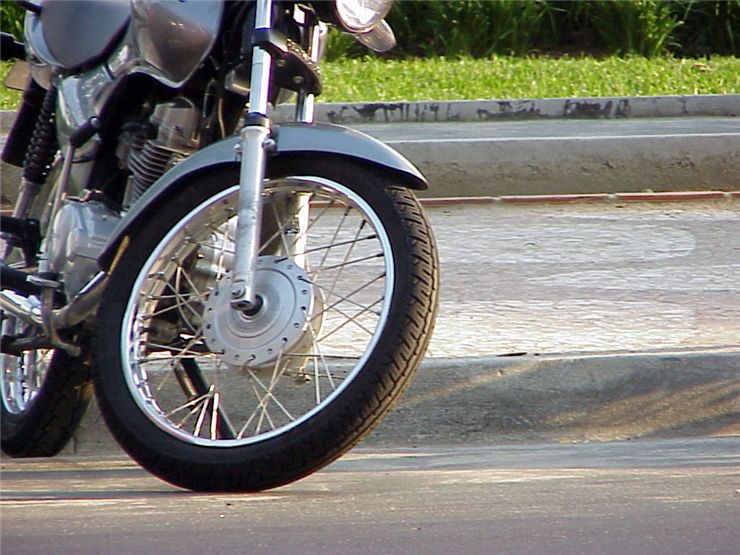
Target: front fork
256, 142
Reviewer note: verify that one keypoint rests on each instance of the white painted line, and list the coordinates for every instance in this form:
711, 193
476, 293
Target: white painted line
564, 138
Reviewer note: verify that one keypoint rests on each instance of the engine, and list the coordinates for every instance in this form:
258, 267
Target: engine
81, 228
176, 126
79, 232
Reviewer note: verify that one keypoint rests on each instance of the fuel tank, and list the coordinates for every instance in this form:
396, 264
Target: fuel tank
173, 37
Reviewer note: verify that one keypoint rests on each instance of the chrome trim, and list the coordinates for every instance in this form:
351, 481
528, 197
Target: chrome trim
249, 216
30, 310
306, 103
259, 97
83, 305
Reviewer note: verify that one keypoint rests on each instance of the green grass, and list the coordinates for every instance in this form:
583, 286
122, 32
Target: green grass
8, 98
374, 79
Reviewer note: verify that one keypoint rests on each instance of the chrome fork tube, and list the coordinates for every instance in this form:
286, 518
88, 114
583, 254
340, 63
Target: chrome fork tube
306, 103
255, 139
305, 113
261, 63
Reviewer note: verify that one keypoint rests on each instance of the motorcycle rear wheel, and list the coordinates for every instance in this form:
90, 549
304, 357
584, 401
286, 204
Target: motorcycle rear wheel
211, 399
45, 393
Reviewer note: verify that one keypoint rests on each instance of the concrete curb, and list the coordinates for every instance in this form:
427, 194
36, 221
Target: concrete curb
712, 105
674, 196
557, 157
555, 398
537, 165
456, 111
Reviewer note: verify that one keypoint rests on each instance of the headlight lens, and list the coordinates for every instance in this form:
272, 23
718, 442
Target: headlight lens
360, 16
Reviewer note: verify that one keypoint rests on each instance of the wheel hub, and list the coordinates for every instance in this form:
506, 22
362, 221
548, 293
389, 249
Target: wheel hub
258, 338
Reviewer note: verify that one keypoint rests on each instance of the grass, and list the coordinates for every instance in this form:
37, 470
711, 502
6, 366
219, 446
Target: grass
8, 98
374, 79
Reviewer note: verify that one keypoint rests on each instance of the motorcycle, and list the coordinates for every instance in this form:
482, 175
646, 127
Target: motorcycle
246, 300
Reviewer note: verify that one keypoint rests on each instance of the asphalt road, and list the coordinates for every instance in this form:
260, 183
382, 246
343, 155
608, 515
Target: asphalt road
667, 497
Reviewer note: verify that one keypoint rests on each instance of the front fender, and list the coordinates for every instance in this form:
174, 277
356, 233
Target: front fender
292, 138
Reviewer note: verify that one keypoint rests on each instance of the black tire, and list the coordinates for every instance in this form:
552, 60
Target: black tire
39, 420
131, 389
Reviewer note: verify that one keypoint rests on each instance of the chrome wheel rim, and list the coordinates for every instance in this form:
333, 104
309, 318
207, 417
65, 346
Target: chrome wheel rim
191, 382
22, 376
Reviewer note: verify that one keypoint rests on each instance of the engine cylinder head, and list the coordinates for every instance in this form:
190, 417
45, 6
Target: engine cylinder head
177, 124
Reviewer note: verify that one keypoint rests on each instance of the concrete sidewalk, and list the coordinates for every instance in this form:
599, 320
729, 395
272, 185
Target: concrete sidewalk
548, 146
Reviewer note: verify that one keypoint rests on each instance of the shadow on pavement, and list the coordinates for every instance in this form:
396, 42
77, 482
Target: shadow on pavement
601, 398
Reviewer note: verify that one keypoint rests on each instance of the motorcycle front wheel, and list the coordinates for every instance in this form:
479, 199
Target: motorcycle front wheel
210, 398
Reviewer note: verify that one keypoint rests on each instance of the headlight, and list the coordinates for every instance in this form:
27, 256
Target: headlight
361, 16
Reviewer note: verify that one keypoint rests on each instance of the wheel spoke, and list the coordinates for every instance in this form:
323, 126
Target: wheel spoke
349, 320
337, 230
174, 351
281, 233
348, 242
203, 411
180, 301
268, 395
320, 358
221, 426
22, 376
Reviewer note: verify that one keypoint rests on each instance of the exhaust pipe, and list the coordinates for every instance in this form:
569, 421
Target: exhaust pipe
25, 309
28, 309
83, 305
